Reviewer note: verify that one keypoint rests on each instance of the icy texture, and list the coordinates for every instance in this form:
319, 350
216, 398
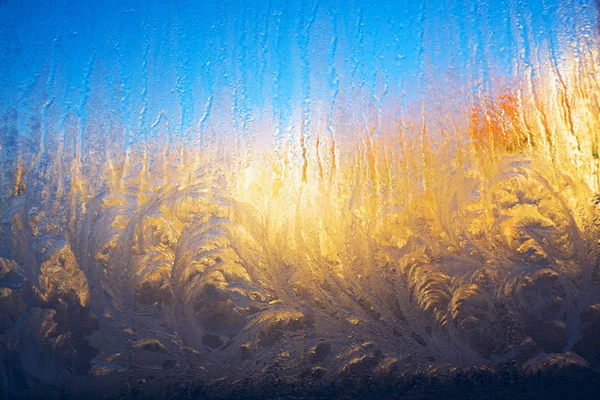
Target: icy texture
250, 188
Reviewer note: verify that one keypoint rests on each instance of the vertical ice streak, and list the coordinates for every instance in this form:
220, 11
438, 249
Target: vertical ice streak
334, 88
305, 23
184, 78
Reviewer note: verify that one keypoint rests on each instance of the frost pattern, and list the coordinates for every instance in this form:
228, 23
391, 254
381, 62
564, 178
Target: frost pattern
256, 189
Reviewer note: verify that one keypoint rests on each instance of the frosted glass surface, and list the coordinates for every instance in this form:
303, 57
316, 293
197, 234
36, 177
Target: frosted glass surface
331, 192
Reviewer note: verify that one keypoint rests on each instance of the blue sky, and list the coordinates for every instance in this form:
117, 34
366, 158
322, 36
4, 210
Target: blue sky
193, 63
